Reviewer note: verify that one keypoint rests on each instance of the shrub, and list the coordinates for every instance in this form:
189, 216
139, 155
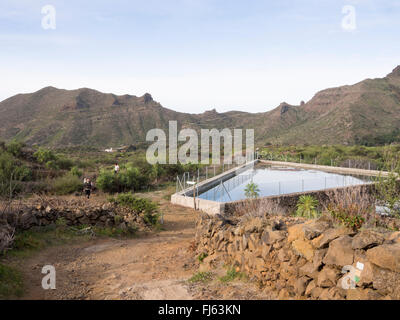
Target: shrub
107, 181
387, 187
140, 206
201, 277
67, 184
351, 207
307, 207
64, 163
76, 172
130, 179
347, 216
44, 155
15, 148
232, 274
252, 191
11, 283
11, 174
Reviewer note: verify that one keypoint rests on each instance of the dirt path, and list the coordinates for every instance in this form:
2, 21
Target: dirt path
155, 266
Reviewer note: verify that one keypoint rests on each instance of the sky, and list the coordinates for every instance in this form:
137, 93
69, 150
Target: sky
197, 55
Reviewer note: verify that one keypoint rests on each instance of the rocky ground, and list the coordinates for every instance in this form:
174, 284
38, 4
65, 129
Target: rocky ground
153, 265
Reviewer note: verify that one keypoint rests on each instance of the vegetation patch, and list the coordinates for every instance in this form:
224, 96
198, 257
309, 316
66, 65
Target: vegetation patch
145, 207
233, 274
307, 207
201, 277
11, 283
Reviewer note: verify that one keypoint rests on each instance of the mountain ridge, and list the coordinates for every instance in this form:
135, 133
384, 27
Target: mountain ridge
350, 114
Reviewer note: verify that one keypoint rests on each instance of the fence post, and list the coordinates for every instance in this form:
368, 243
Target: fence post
302, 185
214, 171
279, 188
206, 173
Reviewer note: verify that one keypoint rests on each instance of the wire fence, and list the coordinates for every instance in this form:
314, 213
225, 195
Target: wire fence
229, 191
366, 164
202, 173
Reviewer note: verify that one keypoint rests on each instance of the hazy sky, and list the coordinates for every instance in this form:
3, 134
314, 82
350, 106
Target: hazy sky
195, 55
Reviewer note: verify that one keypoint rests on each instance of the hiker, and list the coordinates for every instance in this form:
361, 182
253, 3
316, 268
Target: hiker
116, 168
88, 187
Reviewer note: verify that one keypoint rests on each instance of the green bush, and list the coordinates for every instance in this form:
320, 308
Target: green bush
129, 179
107, 181
307, 207
44, 155
15, 148
141, 206
11, 283
67, 184
76, 172
11, 174
64, 163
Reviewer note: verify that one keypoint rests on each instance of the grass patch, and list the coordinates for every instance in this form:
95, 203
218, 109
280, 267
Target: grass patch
232, 274
201, 277
38, 238
202, 256
11, 284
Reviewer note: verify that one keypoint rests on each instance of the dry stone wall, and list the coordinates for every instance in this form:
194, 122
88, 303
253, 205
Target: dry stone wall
300, 259
37, 213
75, 212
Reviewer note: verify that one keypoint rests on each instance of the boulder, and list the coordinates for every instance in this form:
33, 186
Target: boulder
315, 229
304, 248
319, 257
310, 287
27, 221
309, 270
340, 252
332, 294
331, 234
328, 277
367, 239
393, 238
270, 237
254, 225
283, 255
301, 284
359, 294
295, 232
386, 256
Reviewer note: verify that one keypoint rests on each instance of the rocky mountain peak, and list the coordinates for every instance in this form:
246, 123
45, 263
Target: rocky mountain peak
395, 72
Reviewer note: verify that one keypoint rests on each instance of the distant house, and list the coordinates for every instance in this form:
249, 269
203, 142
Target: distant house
126, 148
109, 150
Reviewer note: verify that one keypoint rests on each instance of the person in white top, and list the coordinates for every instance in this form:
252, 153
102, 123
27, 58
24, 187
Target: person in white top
116, 168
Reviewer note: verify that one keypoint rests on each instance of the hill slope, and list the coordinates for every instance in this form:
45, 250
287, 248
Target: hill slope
366, 111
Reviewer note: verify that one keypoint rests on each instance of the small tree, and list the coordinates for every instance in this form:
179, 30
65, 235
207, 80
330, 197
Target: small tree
307, 207
252, 191
387, 187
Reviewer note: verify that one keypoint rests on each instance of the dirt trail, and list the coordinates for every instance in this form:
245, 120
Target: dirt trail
154, 266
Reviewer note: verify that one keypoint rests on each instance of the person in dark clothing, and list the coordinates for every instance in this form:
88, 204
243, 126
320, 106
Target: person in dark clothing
88, 188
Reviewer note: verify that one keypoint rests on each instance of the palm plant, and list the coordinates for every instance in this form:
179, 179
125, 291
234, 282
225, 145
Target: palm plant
307, 207
252, 191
